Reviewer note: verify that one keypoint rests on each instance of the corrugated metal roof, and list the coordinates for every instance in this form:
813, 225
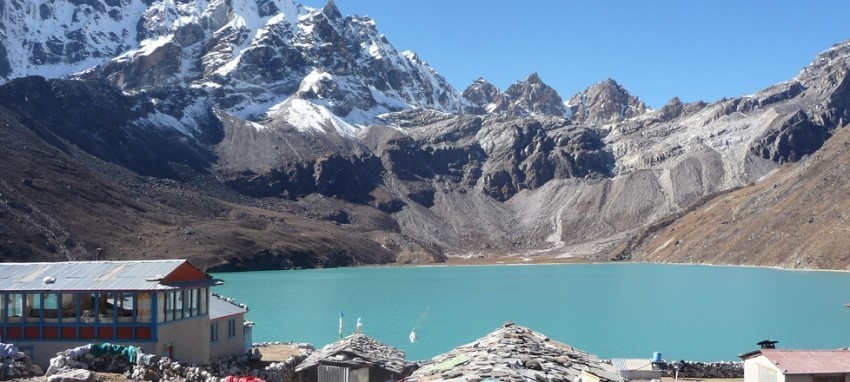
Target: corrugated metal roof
809, 361
88, 275
220, 308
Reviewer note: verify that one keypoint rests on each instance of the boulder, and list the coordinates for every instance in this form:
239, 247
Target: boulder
73, 375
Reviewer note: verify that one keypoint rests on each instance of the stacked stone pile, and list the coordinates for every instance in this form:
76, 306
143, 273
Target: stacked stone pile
148, 367
303, 346
14, 364
692, 369
83, 357
167, 370
355, 351
515, 353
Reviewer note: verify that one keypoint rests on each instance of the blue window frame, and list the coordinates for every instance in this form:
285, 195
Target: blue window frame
231, 328
214, 332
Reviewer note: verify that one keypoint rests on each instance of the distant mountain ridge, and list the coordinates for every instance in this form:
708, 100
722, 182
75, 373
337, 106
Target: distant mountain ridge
316, 143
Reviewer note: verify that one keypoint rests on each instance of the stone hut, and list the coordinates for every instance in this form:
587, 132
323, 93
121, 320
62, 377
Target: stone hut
515, 353
355, 358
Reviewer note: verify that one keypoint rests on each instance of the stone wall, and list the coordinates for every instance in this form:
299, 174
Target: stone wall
15, 365
692, 369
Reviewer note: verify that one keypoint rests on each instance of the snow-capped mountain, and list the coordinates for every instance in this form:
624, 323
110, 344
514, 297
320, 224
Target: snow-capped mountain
319, 130
270, 59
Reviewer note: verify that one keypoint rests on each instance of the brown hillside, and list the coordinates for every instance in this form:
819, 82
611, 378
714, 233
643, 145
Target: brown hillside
797, 217
58, 203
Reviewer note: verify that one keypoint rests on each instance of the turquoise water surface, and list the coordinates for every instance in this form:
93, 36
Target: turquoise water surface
612, 310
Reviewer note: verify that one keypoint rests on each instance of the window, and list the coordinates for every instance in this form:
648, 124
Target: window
203, 301
69, 307
89, 305
179, 304
143, 308
165, 303
173, 305
14, 306
105, 307
33, 307
766, 374
51, 307
214, 332
231, 328
123, 304
196, 294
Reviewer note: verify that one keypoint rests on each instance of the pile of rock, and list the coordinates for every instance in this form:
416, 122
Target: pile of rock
103, 357
515, 353
167, 370
14, 364
356, 351
305, 347
692, 369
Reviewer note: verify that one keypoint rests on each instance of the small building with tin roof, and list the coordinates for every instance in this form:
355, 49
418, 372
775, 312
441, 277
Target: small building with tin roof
357, 357
515, 353
633, 369
230, 334
161, 306
781, 365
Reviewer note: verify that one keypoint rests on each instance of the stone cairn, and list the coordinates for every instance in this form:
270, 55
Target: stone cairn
15, 364
163, 369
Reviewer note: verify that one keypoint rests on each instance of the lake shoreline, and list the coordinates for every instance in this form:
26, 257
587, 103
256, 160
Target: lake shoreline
520, 260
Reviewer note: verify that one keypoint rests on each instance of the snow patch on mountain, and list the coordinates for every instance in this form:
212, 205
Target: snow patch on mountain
188, 122
308, 117
57, 38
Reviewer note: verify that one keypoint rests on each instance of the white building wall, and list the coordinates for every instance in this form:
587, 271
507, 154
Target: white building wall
228, 346
190, 339
752, 365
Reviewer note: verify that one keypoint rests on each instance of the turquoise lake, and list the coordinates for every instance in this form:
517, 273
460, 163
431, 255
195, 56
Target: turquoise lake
612, 310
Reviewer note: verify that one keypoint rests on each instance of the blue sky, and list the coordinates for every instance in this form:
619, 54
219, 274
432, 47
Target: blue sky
656, 49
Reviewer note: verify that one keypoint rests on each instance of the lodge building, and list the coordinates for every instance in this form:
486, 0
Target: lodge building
161, 306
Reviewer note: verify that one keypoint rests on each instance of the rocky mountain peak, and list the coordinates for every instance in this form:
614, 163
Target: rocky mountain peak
331, 11
534, 79
605, 102
481, 94
527, 98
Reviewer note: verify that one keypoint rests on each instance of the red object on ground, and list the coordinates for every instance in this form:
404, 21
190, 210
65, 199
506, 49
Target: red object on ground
233, 378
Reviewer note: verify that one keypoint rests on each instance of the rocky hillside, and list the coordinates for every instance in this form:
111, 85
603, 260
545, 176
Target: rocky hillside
60, 202
796, 217
264, 134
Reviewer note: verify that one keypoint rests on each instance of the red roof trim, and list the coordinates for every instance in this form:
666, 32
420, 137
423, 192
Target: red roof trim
185, 272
